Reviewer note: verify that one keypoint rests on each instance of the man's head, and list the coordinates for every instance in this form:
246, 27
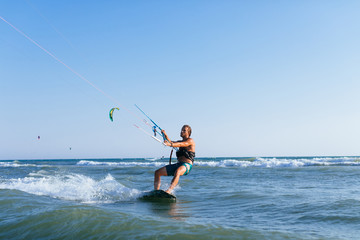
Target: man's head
186, 129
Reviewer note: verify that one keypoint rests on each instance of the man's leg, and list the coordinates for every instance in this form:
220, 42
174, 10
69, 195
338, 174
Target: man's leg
179, 172
157, 177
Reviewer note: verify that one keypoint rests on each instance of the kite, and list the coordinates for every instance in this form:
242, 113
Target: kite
111, 113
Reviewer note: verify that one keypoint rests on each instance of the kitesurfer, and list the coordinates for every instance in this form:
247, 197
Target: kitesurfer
185, 156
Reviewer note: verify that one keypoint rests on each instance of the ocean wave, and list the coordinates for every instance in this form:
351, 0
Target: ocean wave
74, 187
16, 164
282, 162
154, 159
263, 162
120, 164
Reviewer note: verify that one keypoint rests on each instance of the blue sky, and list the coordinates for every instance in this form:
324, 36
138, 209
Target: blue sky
252, 78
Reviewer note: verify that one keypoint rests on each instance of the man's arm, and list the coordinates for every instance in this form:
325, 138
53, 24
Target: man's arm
166, 137
186, 143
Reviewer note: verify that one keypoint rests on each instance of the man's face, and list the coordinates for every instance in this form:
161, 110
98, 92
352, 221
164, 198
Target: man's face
184, 132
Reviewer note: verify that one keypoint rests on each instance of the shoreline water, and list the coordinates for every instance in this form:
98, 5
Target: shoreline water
222, 198
166, 158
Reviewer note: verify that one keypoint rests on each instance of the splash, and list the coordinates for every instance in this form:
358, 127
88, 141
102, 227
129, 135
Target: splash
73, 187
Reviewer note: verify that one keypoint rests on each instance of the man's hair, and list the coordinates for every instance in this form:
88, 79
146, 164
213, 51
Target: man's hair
189, 129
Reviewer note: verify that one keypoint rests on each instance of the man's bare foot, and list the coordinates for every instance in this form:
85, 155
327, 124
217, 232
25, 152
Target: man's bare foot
168, 191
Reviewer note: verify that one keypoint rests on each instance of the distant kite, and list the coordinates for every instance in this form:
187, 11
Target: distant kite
111, 113
38, 137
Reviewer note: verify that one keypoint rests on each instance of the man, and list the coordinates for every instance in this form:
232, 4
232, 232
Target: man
185, 156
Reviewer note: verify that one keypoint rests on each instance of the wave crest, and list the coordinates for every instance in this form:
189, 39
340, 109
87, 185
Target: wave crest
74, 187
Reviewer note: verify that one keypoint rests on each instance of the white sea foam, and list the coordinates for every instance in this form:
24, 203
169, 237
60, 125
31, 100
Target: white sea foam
251, 162
16, 164
282, 162
265, 162
120, 164
153, 159
75, 187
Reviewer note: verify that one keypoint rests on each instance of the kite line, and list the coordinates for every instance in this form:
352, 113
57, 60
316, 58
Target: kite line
88, 82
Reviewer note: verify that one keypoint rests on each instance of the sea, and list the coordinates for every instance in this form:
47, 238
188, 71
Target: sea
222, 198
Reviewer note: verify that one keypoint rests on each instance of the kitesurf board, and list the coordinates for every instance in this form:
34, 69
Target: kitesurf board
158, 195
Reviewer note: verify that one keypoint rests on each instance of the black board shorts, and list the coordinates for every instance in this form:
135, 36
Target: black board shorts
171, 168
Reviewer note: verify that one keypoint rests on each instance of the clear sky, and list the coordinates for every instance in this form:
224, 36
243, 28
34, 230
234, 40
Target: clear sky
252, 78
